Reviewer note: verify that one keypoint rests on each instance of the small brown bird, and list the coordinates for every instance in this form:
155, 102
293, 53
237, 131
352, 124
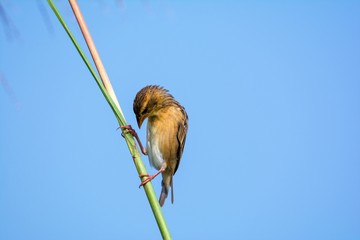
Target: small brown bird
166, 133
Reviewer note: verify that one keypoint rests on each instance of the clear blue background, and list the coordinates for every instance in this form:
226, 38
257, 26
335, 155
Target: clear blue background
272, 91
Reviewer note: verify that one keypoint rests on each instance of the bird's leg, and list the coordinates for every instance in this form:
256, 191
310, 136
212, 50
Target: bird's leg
151, 177
130, 130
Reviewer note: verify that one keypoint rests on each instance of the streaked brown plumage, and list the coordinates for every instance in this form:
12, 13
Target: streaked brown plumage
166, 133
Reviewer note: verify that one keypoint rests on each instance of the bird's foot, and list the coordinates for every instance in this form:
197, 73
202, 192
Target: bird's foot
128, 129
148, 177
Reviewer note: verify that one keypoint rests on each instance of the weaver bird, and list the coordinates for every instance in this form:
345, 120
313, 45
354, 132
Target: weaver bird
166, 133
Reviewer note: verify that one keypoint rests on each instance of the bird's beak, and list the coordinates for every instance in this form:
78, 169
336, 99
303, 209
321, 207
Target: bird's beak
140, 120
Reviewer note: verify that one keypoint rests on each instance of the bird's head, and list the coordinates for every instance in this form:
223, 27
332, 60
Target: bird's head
147, 101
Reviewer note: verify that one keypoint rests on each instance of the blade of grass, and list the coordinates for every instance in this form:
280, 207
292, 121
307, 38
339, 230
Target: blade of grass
115, 106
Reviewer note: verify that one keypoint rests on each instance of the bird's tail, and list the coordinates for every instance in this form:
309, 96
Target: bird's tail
165, 191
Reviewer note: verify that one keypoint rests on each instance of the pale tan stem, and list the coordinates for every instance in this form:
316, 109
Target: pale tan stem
94, 53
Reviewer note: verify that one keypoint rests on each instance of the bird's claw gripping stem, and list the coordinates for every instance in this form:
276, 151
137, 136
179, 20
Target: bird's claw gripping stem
149, 177
129, 129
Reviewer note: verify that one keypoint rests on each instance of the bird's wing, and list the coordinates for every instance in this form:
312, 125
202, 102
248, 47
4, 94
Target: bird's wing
181, 137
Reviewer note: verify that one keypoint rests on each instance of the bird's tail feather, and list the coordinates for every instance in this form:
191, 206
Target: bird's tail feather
165, 191
172, 191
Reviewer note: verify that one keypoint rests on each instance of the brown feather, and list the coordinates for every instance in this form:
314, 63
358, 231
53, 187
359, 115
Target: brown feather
169, 124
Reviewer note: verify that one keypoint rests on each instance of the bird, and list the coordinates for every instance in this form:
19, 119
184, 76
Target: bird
165, 136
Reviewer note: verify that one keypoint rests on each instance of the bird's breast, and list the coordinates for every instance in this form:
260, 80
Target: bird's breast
152, 146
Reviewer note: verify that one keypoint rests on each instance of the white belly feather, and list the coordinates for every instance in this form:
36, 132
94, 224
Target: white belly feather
152, 147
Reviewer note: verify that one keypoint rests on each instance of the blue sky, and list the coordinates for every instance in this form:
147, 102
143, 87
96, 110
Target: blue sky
272, 91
